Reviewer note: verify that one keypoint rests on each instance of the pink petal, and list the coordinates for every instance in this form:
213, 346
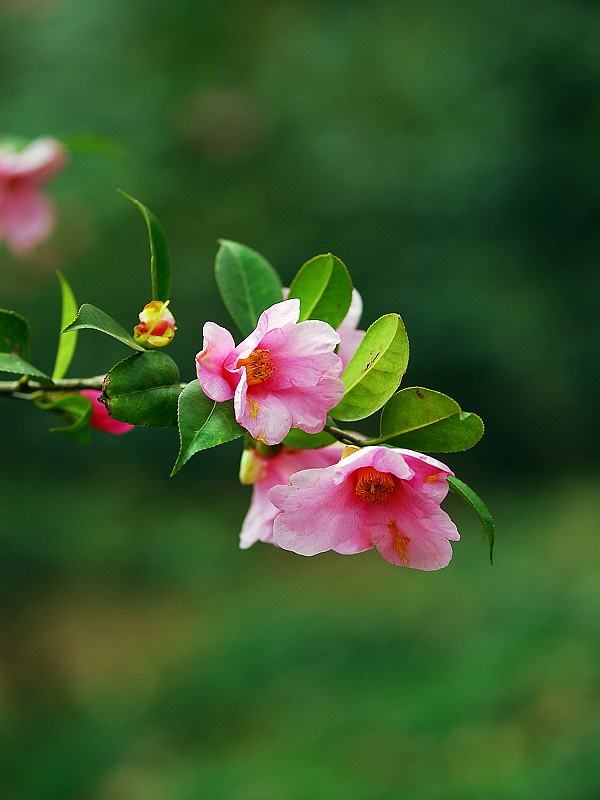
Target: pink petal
308, 407
100, 418
36, 162
258, 522
216, 381
303, 353
277, 316
316, 515
354, 314
264, 415
430, 475
26, 217
350, 340
406, 540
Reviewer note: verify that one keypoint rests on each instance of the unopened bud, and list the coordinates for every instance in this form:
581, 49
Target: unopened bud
157, 325
252, 467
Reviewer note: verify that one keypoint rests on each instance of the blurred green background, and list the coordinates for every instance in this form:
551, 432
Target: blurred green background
449, 153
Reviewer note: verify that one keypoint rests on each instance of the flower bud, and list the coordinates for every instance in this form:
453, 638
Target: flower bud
157, 325
252, 467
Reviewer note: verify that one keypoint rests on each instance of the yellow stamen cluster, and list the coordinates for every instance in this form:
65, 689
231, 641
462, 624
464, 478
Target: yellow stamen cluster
259, 366
373, 486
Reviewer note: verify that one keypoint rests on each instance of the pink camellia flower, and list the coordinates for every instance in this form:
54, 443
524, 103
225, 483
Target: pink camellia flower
26, 215
350, 335
100, 418
375, 497
284, 375
264, 473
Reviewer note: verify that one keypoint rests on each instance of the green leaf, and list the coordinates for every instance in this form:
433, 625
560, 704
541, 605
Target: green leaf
143, 390
90, 316
375, 370
428, 421
160, 267
9, 362
74, 408
67, 342
247, 282
324, 289
202, 423
14, 334
300, 440
473, 500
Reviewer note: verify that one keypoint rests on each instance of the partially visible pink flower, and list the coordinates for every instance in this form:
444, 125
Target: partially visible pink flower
350, 335
100, 418
26, 215
284, 375
376, 497
264, 473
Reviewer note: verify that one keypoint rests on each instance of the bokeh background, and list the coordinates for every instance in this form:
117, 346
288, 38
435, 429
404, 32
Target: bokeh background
449, 153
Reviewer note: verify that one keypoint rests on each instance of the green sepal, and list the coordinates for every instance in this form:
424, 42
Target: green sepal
67, 342
160, 265
375, 370
475, 502
324, 288
143, 390
94, 318
428, 421
203, 423
247, 282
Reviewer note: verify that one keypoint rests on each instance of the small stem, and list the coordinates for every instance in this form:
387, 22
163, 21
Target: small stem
344, 436
22, 388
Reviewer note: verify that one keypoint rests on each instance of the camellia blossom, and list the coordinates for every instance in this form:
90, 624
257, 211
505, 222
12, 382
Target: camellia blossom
375, 497
26, 215
100, 418
264, 473
157, 325
284, 375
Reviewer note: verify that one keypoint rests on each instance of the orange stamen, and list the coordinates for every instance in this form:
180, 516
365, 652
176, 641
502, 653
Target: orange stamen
259, 366
373, 486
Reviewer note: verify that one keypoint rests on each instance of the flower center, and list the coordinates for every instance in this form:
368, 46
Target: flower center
373, 486
259, 366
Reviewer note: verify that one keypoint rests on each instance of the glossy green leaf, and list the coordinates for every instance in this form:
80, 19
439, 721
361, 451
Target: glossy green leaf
14, 334
143, 390
375, 370
324, 289
475, 502
202, 423
307, 441
67, 342
90, 316
247, 282
160, 266
75, 409
9, 362
428, 421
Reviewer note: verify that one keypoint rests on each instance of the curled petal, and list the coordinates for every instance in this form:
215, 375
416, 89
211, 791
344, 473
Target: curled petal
35, 163
216, 381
